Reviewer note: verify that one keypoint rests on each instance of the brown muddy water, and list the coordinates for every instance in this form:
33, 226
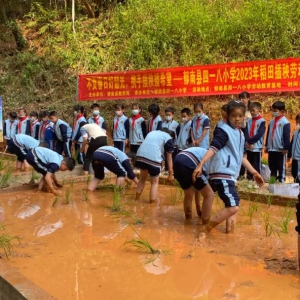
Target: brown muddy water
74, 251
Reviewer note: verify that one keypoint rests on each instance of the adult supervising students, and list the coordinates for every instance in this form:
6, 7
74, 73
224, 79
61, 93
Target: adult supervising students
93, 136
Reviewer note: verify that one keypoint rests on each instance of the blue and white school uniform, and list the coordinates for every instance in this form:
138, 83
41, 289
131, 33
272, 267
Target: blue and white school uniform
154, 124
63, 133
47, 135
228, 145
9, 131
185, 163
278, 140
184, 137
294, 153
23, 126
34, 129
114, 160
150, 154
77, 138
22, 143
44, 160
198, 126
120, 132
254, 135
98, 120
137, 133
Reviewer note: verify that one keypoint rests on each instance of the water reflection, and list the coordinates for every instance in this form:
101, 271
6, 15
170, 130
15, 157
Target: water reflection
48, 228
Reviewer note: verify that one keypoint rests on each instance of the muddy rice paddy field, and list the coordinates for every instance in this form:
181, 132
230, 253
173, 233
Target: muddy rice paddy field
73, 247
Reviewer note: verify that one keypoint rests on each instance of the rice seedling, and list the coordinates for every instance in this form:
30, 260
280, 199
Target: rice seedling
106, 187
34, 176
264, 161
268, 226
136, 219
72, 181
6, 242
141, 244
116, 206
88, 179
272, 180
2, 165
253, 207
286, 218
269, 200
4, 179
67, 196
85, 195
63, 182
55, 201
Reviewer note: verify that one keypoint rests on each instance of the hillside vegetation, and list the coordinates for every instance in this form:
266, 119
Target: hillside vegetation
137, 34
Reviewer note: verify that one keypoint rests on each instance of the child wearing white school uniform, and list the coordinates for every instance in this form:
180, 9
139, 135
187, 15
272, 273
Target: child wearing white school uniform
137, 128
184, 140
200, 127
155, 121
225, 157
120, 128
10, 130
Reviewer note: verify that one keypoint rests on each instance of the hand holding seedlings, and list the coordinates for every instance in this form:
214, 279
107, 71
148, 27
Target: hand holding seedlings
258, 179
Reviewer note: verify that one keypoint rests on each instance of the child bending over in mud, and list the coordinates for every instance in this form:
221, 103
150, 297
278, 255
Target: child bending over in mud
47, 162
116, 161
226, 157
184, 165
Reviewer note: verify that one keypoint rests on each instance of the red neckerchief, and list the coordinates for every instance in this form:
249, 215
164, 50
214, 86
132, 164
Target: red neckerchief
253, 125
274, 127
20, 123
151, 123
117, 124
32, 124
11, 123
198, 123
77, 118
135, 118
96, 120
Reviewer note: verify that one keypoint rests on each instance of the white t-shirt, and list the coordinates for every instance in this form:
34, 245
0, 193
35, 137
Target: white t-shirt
92, 131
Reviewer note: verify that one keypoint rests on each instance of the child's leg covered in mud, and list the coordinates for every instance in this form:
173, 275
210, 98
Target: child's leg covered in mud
228, 194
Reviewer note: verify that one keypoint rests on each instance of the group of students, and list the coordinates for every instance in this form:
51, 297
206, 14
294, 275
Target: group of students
200, 166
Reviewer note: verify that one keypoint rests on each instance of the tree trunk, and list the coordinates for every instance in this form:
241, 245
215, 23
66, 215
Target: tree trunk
3, 11
89, 8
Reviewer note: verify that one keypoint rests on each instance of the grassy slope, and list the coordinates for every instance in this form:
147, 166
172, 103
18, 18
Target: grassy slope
145, 34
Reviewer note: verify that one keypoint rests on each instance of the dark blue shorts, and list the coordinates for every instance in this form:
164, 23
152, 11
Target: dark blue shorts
19, 151
36, 163
101, 160
226, 190
153, 171
183, 172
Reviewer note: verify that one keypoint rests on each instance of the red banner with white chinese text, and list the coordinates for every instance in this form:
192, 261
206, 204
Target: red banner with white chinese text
221, 79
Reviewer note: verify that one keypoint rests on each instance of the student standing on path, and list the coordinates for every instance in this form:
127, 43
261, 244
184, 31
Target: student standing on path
120, 128
294, 151
278, 141
63, 133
